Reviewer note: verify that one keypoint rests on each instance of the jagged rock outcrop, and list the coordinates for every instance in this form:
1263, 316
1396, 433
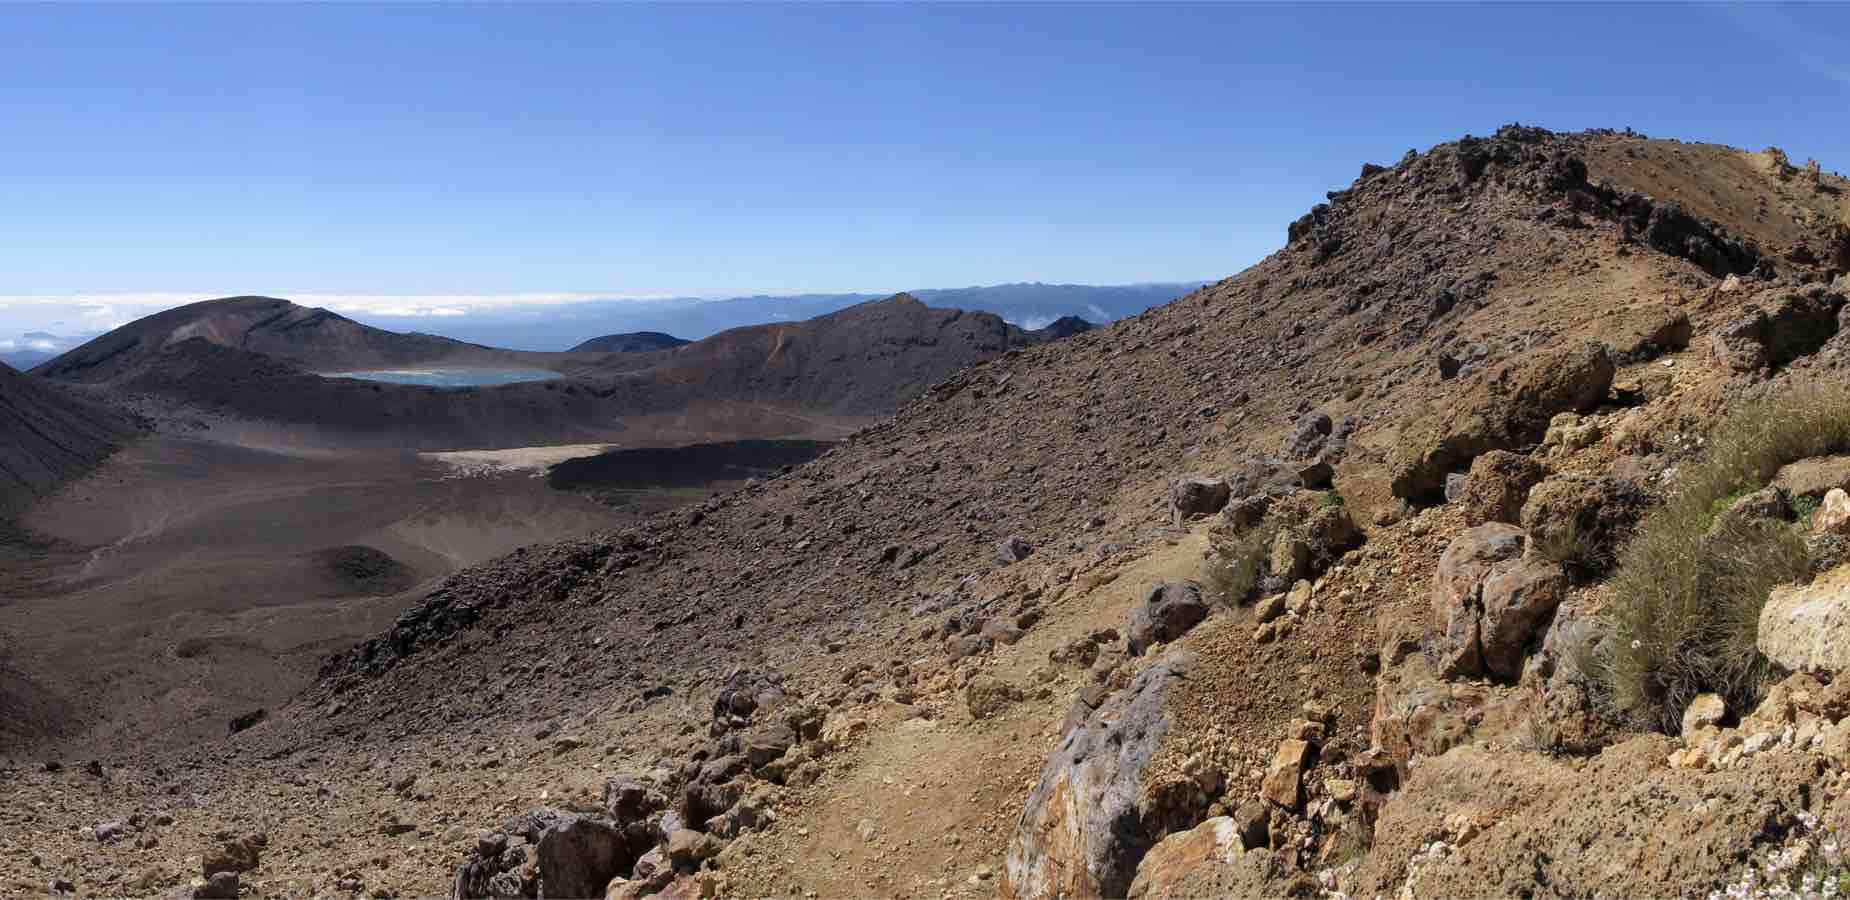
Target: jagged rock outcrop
1085, 827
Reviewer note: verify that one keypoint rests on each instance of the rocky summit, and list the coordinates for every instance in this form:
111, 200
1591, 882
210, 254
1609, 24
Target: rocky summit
1322, 580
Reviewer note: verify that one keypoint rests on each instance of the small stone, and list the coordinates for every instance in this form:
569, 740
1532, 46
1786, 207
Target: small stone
1283, 777
1706, 711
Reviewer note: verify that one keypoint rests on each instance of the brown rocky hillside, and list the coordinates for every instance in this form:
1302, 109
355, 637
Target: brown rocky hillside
1177, 607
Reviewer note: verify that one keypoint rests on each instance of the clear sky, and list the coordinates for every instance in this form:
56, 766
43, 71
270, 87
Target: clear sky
421, 152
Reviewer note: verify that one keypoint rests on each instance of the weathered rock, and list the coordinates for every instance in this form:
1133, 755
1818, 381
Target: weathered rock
1085, 825
1298, 599
218, 886
1833, 514
1571, 431
1013, 550
769, 744
1328, 533
1644, 332
1167, 612
1200, 496
1781, 328
702, 801
1511, 409
1497, 485
687, 849
1246, 512
1806, 628
1308, 436
1289, 558
1216, 840
579, 855
1813, 477
1455, 484
1582, 518
1707, 710
1488, 601
987, 695
1284, 777
234, 854
628, 800
1760, 505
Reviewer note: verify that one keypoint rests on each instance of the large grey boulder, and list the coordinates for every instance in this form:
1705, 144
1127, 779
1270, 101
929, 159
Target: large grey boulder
1086, 826
1806, 628
1167, 613
579, 855
1200, 496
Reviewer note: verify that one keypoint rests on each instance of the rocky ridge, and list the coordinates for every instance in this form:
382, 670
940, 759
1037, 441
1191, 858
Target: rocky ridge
878, 672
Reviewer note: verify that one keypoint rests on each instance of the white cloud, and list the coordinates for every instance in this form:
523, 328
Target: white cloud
95, 313
40, 345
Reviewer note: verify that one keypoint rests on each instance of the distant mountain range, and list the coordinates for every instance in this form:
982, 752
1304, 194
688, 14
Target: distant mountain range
557, 327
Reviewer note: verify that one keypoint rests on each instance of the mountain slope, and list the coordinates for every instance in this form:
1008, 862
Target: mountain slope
936, 607
312, 338
49, 435
631, 342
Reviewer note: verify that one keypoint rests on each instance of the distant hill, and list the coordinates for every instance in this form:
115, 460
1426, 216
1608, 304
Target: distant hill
313, 338
253, 360
556, 326
633, 342
49, 435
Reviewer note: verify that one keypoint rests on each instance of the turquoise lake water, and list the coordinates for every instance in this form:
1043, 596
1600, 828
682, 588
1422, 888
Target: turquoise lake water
449, 377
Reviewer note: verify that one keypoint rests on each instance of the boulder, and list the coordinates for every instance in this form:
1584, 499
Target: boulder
1582, 517
687, 849
1488, 602
1763, 504
987, 695
234, 854
1087, 823
1200, 496
1509, 409
1706, 711
1813, 477
1215, 841
1781, 328
1308, 436
1013, 550
1498, 483
1643, 332
628, 800
1246, 512
1284, 777
1833, 514
1289, 557
702, 801
1806, 628
580, 855
1328, 533
769, 744
218, 886
1167, 612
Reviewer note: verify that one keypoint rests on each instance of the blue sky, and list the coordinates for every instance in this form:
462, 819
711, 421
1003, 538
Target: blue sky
416, 156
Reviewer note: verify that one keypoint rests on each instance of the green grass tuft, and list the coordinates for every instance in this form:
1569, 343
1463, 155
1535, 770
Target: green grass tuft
1687, 594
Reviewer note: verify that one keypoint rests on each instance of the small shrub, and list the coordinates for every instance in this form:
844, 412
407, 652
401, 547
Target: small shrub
1234, 568
1686, 599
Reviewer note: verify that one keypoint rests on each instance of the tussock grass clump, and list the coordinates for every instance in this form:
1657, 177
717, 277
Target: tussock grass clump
1233, 568
1689, 586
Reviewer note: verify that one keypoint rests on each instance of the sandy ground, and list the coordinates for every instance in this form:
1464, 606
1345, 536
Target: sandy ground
536, 460
179, 586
